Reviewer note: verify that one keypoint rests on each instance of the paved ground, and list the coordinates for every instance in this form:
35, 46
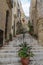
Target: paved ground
9, 53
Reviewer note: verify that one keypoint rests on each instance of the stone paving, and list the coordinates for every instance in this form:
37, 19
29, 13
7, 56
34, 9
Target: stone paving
9, 53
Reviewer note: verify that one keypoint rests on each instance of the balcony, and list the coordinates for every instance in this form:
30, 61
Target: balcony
10, 3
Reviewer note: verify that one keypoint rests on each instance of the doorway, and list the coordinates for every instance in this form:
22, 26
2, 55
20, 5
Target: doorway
1, 38
6, 24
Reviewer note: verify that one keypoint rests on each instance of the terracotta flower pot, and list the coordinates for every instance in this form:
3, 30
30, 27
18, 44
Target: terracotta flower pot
25, 61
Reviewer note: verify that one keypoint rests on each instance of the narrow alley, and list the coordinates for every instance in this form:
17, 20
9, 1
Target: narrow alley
21, 22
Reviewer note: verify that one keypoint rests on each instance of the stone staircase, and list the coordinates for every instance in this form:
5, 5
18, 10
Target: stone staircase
9, 53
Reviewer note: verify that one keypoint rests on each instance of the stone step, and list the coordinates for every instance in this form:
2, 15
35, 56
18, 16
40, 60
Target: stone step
32, 63
10, 64
9, 60
36, 57
8, 55
15, 45
19, 41
10, 52
18, 63
17, 60
34, 46
18, 46
15, 54
15, 49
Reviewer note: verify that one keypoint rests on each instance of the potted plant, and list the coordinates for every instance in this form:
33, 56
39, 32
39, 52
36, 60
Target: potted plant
25, 53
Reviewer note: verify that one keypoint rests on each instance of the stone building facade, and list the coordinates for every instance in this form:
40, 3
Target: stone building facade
5, 19
16, 16
36, 18
33, 15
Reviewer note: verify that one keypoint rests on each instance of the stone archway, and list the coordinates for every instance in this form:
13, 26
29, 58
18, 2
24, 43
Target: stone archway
1, 38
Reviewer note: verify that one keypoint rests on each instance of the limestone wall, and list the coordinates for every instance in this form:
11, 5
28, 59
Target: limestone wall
36, 16
3, 8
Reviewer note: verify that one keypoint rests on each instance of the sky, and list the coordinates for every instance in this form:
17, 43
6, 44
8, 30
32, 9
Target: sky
26, 5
